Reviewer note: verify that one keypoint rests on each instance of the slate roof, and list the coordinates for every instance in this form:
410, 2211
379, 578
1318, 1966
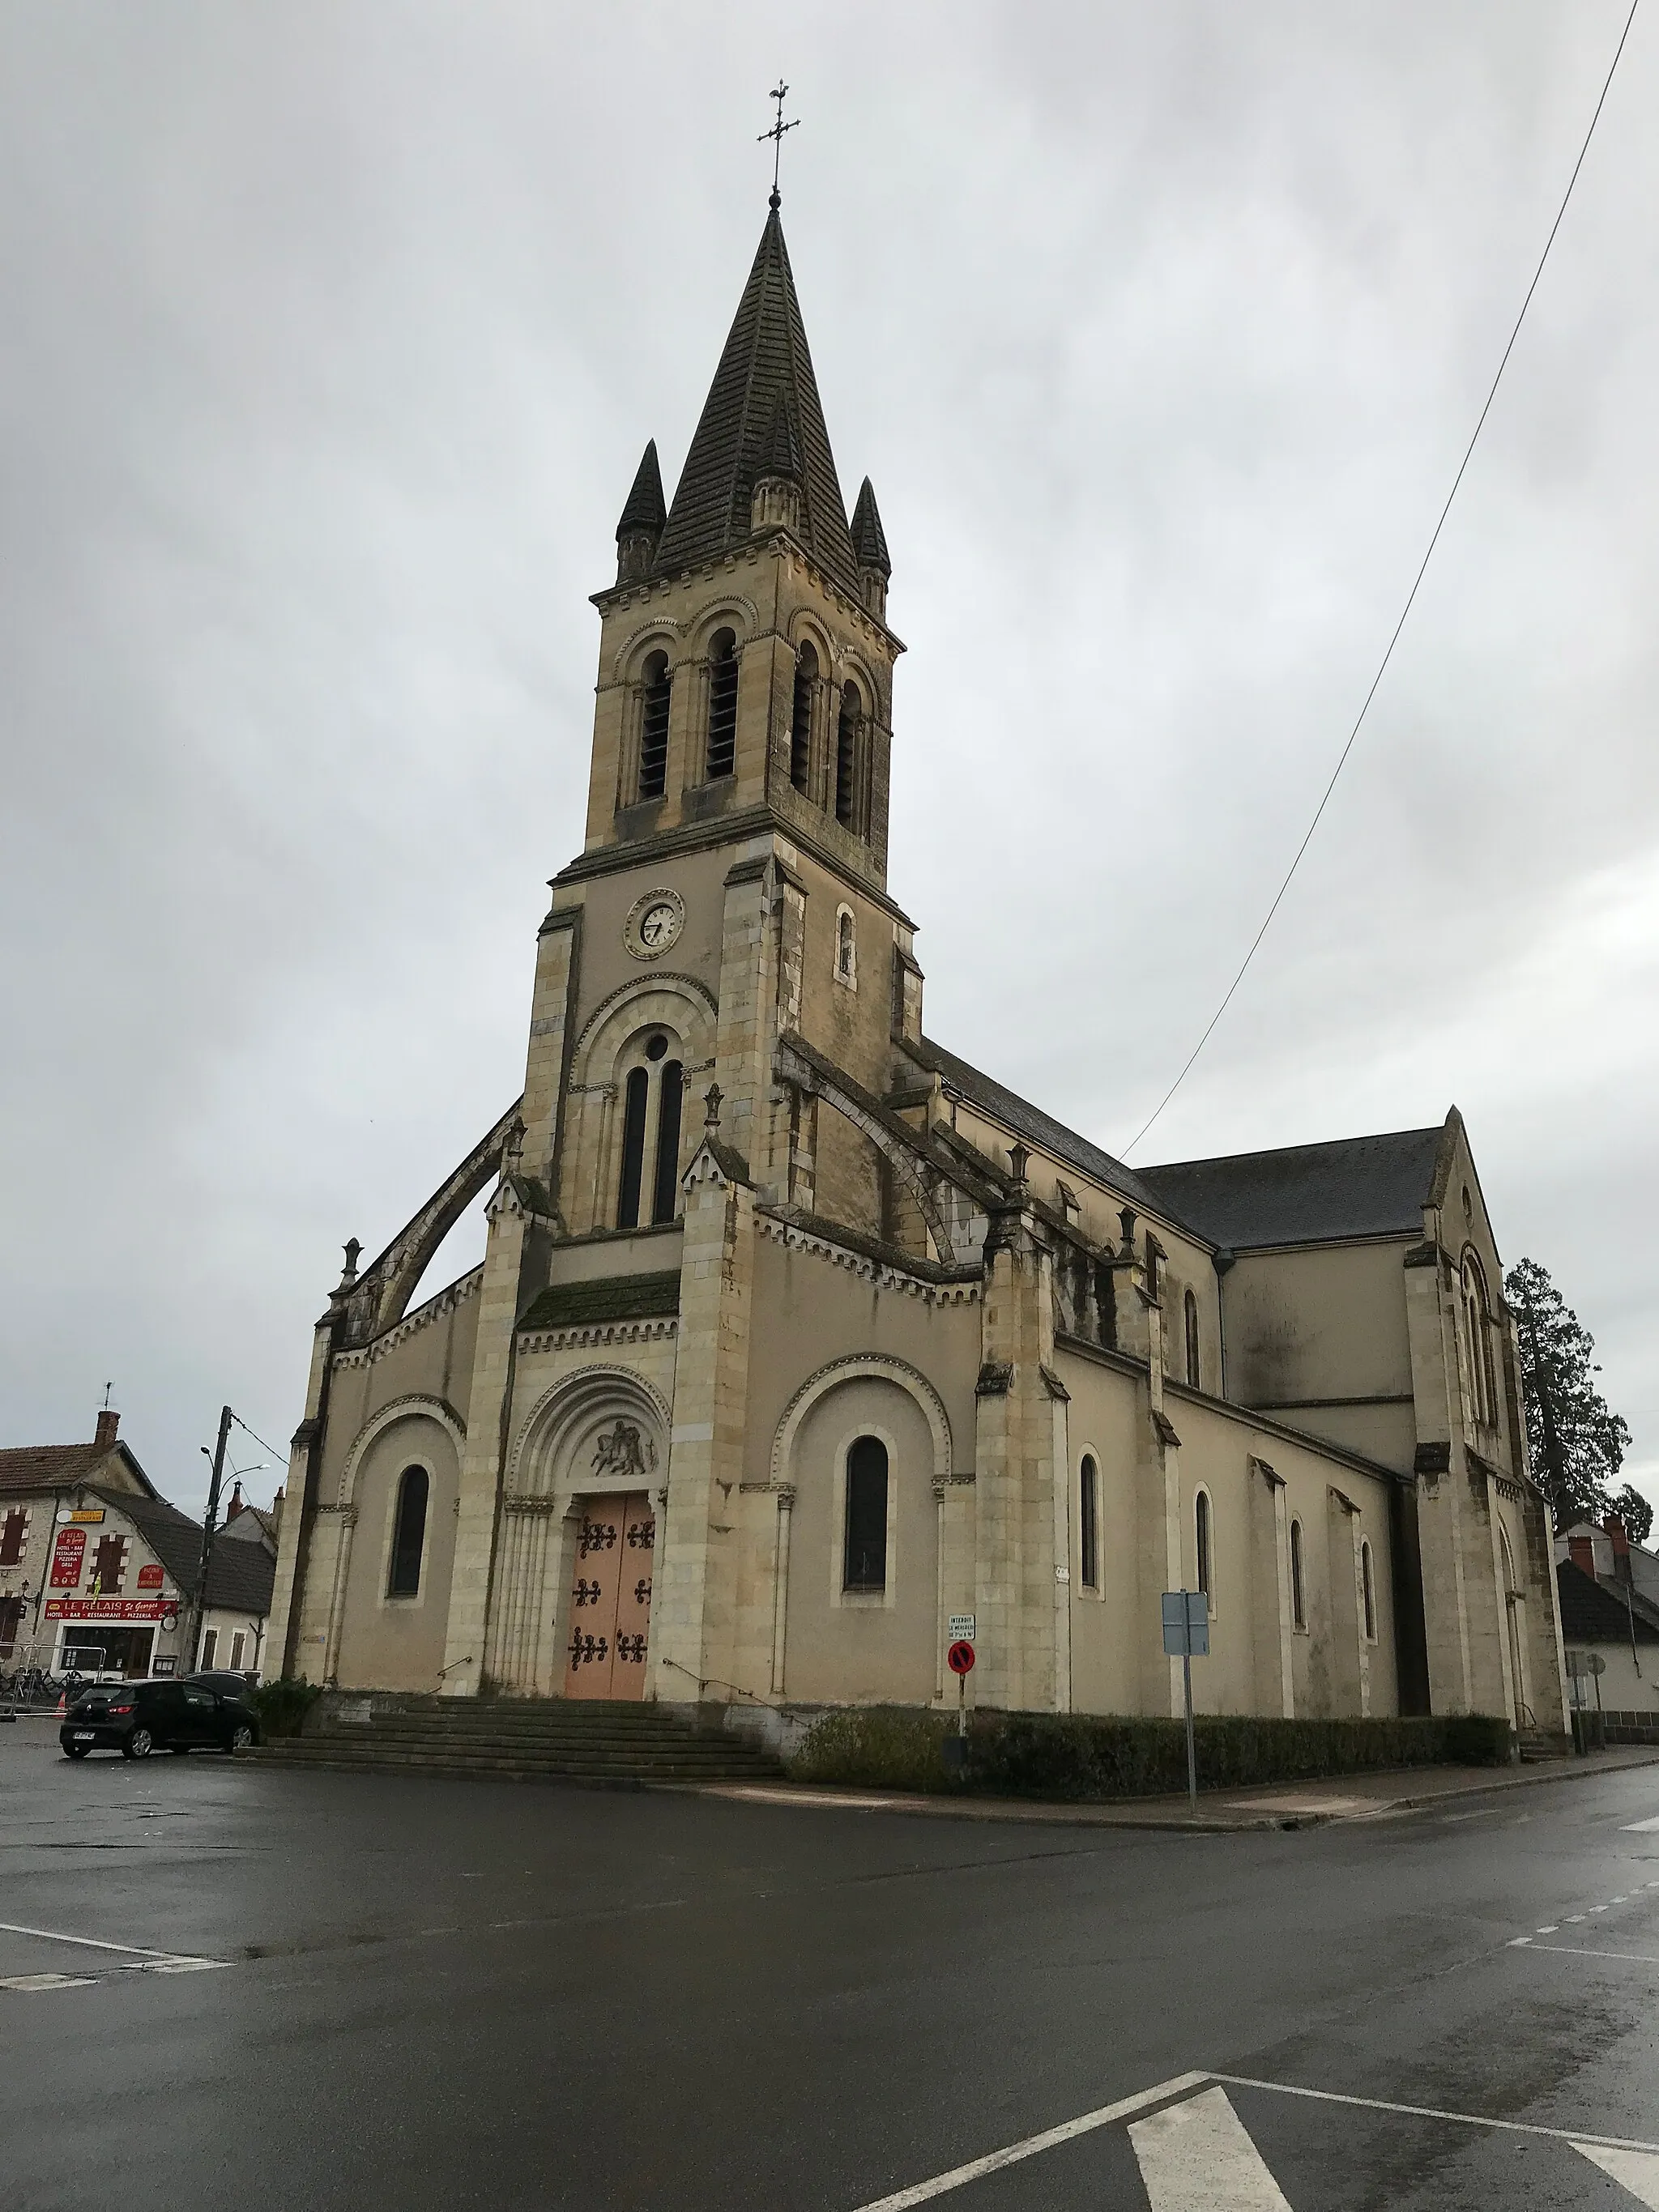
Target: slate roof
241, 1576
869, 539
1031, 1124
1593, 1612
1306, 1194
605, 1297
766, 360
60, 1466
644, 509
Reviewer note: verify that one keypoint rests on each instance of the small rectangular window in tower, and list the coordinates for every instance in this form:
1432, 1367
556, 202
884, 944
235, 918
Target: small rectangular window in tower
1088, 1526
847, 745
653, 727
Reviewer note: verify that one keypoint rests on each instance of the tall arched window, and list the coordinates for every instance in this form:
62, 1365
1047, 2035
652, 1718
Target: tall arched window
653, 727
847, 754
1477, 1336
722, 749
1201, 1541
1367, 1592
408, 1534
1088, 1524
1299, 1586
865, 1567
800, 724
847, 947
637, 1098
665, 1194
653, 1096
1191, 1314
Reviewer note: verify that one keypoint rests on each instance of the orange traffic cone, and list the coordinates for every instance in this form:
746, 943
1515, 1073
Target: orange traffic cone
63, 1704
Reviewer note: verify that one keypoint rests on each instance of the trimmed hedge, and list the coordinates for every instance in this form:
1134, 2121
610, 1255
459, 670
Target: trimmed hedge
1079, 1757
283, 1705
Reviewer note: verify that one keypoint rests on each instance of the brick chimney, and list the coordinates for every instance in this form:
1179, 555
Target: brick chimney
1582, 1551
1621, 1542
104, 1438
235, 1504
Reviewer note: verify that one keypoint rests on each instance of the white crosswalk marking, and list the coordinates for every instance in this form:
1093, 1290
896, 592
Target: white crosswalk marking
1635, 2170
1639, 1827
1196, 2157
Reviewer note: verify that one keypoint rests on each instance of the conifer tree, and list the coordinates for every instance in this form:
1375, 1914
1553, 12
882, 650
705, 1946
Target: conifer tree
1576, 1445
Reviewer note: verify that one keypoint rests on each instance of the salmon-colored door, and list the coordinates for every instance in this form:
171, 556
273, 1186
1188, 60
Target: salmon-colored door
639, 1547
610, 1612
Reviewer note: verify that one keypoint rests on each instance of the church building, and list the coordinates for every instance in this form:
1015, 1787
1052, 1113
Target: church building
797, 1338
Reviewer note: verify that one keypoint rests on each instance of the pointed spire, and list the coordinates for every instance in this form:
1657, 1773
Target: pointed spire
765, 359
645, 508
870, 548
639, 526
869, 539
779, 454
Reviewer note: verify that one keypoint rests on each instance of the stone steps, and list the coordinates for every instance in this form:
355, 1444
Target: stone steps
614, 1746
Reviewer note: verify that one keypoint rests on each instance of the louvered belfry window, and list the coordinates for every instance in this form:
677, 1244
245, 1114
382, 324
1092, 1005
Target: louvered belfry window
847, 746
653, 727
722, 705
800, 727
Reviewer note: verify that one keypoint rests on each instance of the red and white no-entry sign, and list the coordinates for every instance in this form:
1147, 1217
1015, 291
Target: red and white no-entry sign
960, 1658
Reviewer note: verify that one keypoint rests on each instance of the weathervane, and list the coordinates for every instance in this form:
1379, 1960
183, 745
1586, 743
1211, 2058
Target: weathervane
775, 134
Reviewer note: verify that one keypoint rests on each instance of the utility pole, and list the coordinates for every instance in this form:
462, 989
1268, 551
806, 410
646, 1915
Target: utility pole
198, 1606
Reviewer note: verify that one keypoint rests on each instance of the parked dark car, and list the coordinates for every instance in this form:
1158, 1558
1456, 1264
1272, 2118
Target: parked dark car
226, 1684
136, 1718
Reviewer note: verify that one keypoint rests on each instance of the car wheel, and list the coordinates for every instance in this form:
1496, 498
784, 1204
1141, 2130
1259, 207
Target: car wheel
242, 1737
138, 1745
76, 1750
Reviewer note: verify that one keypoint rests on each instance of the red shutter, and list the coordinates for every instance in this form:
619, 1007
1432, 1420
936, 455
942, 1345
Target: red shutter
13, 1531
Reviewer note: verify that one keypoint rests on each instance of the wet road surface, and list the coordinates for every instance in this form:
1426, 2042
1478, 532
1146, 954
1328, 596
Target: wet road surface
314, 1990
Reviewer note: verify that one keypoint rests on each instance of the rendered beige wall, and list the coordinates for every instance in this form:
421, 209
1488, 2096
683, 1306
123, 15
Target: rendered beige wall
398, 1643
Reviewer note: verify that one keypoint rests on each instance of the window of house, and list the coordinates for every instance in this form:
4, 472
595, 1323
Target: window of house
1088, 1524
846, 749
238, 1651
14, 1527
800, 724
722, 750
653, 727
1190, 1309
865, 1567
1367, 1592
107, 1563
1298, 1588
1201, 1542
408, 1534
11, 1614
210, 1648
847, 947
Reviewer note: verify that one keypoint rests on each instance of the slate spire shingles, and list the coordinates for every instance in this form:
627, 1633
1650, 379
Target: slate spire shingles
869, 539
645, 509
766, 359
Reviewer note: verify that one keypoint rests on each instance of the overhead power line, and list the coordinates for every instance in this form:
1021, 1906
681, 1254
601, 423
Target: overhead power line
1341, 762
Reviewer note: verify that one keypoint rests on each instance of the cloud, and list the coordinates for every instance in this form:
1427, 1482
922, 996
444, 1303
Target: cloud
333, 337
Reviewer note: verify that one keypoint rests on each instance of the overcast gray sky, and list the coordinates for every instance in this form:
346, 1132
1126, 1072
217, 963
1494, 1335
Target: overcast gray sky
332, 334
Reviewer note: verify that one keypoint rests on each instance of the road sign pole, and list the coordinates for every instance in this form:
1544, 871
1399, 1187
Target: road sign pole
962, 1705
1191, 1748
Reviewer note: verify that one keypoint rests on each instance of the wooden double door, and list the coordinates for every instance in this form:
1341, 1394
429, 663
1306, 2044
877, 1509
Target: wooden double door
608, 1619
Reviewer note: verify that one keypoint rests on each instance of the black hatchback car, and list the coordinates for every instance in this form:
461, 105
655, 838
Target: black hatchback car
136, 1718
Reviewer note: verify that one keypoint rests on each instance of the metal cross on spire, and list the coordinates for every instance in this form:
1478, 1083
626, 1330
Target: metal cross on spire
775, 134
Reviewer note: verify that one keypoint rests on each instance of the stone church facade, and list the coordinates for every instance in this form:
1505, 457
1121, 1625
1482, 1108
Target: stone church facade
796, 1336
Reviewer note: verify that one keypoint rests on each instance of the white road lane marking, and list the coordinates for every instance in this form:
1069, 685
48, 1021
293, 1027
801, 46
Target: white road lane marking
1576, 2137
1641, 1827
1581, 1951
1030, 2145
1196, 2157
35, 1982
96, 1943
1637, 2170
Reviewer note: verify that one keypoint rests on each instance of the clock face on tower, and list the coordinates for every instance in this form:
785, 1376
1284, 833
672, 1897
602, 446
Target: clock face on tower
653, 923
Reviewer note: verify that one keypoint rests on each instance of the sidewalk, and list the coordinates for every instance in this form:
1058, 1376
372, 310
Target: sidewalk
1280, 1805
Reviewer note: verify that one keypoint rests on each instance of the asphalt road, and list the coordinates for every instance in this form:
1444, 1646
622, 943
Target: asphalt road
433, 1993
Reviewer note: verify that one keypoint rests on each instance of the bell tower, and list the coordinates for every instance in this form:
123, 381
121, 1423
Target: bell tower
745, 663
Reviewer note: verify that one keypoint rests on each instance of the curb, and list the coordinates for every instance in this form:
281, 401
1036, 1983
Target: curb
1047, 1813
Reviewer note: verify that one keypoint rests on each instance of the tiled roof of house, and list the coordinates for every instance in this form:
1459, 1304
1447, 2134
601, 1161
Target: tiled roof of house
1306, 1194
765, 373
60, 1466
241, 1576
1595, 1612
